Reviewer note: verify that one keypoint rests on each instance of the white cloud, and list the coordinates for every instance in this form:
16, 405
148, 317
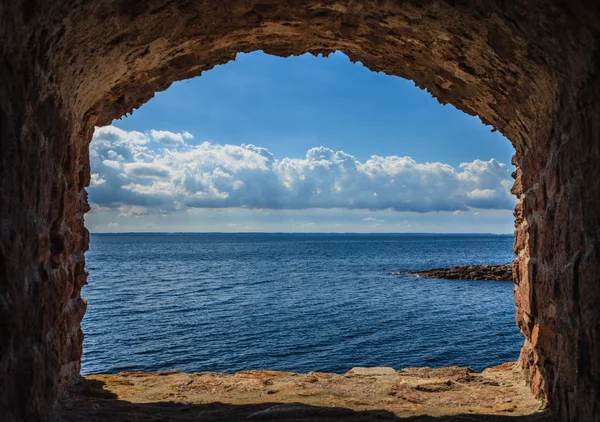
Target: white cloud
170, 138
178, 176
373, 219
326, 220
96, 180
98, 209
111, 163
481, 193
132, 211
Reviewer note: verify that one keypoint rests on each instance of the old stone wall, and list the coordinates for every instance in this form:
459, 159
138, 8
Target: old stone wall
528, 67
558, 257
42, 237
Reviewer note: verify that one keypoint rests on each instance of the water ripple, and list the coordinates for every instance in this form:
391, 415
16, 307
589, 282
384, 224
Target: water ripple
214, 302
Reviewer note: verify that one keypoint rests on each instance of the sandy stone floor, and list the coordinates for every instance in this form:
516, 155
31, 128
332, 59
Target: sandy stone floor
362, 394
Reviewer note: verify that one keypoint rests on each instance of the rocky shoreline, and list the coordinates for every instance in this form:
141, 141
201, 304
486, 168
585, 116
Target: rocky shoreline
471, 272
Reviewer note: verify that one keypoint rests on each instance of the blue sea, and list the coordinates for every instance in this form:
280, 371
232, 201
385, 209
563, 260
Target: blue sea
294, 302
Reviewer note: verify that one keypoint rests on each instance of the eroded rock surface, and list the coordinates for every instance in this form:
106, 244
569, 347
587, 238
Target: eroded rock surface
470, 272
362, 394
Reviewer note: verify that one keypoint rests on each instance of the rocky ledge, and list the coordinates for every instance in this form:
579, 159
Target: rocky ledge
471, 272
361, 394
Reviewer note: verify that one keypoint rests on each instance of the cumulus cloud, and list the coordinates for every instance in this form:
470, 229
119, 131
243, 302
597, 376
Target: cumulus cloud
96, 180
177, 176
170, 138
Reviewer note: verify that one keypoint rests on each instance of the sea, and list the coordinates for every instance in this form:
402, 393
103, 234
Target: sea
293, 302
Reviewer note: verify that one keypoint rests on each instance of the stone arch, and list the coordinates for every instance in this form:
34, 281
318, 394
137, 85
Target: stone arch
529, 68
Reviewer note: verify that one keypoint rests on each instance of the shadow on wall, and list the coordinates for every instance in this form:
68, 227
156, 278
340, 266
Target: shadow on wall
89, 401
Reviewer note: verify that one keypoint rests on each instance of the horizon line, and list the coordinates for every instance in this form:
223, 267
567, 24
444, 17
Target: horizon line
259, 232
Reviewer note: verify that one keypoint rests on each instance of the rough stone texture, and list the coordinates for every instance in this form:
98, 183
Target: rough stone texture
528, 67
362, 394
470, 272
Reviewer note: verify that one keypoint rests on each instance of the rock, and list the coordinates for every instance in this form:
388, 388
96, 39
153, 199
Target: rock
298, 411
434, 387
453, 373
371, 372
314, 397
471, 272
284, 411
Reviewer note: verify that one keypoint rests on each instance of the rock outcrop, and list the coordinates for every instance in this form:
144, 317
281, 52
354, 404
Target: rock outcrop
362, 394
470, 272
529, 68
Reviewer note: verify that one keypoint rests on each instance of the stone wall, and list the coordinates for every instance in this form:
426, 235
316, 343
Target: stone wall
528, 67
558, 257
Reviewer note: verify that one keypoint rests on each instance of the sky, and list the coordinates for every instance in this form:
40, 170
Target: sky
299, 144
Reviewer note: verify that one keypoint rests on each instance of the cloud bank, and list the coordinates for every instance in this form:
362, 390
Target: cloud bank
162, 170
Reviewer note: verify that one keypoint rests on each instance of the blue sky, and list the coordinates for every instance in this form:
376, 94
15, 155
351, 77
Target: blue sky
299, 144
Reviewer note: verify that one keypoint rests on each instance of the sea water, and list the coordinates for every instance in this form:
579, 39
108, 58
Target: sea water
294, 302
